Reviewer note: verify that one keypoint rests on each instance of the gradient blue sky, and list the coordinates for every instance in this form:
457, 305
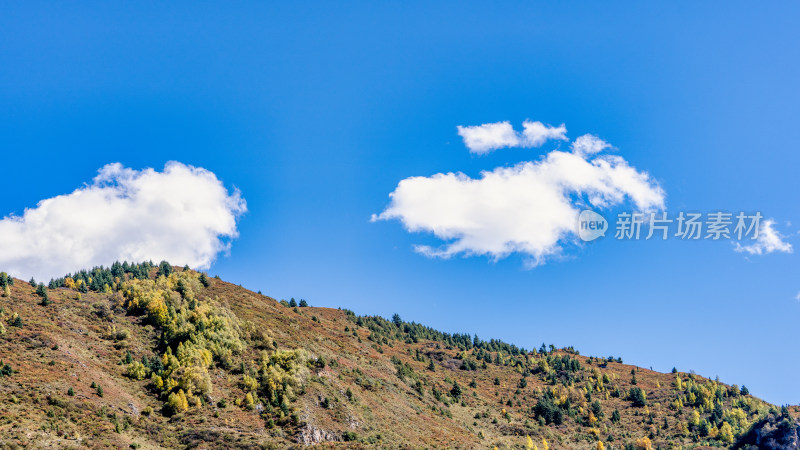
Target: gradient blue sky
316, 113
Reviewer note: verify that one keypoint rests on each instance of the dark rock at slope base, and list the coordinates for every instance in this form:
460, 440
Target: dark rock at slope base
774, 432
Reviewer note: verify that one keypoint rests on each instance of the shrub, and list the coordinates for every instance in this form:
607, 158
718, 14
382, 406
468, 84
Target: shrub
349, 436
5, 370
15, 321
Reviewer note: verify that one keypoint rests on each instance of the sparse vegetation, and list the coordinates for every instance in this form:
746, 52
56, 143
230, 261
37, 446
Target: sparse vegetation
217, 356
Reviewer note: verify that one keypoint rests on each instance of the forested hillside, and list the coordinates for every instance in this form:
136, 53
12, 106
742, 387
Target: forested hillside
146, 356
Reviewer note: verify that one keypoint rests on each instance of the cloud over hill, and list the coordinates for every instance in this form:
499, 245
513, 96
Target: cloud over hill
183, 214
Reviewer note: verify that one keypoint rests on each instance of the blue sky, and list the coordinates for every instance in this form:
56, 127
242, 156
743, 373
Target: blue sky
316, 113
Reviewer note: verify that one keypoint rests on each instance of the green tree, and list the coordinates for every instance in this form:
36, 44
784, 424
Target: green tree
303, 303
45, 299
638, 397
164, 269
456, 390
204, 280
5, 369
16, 321
293, 303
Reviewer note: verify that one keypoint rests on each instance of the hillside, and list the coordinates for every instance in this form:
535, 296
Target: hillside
138, 356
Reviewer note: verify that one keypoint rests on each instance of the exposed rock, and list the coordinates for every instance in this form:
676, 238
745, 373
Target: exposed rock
312, 435
774, 432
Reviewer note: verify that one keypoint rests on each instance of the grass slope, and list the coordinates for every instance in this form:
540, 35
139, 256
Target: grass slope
356, 382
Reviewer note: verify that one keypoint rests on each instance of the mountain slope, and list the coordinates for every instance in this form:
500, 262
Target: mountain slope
151, 357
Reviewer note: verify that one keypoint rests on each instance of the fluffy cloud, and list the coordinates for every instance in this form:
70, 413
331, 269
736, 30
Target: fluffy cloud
482, 139
184, 215
769, 240
588, 145
530, 208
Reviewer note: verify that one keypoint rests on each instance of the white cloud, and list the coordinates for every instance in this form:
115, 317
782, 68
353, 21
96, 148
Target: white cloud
588, 144
534, 134
489, 136
482, 139
769, 240
184, 215
530, 208
797, 297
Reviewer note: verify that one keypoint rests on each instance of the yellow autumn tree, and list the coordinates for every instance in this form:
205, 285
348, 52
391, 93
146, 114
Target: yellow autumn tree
643, 444
136, 370
528, 442
726, 433
249, 401
177, 402
545, 446
694, 420
600, 445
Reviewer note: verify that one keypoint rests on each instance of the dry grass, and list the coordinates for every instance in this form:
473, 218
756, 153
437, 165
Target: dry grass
356, 395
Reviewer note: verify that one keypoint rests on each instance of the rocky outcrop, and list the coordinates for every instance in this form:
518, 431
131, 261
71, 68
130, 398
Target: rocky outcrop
310, 435
774, 432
